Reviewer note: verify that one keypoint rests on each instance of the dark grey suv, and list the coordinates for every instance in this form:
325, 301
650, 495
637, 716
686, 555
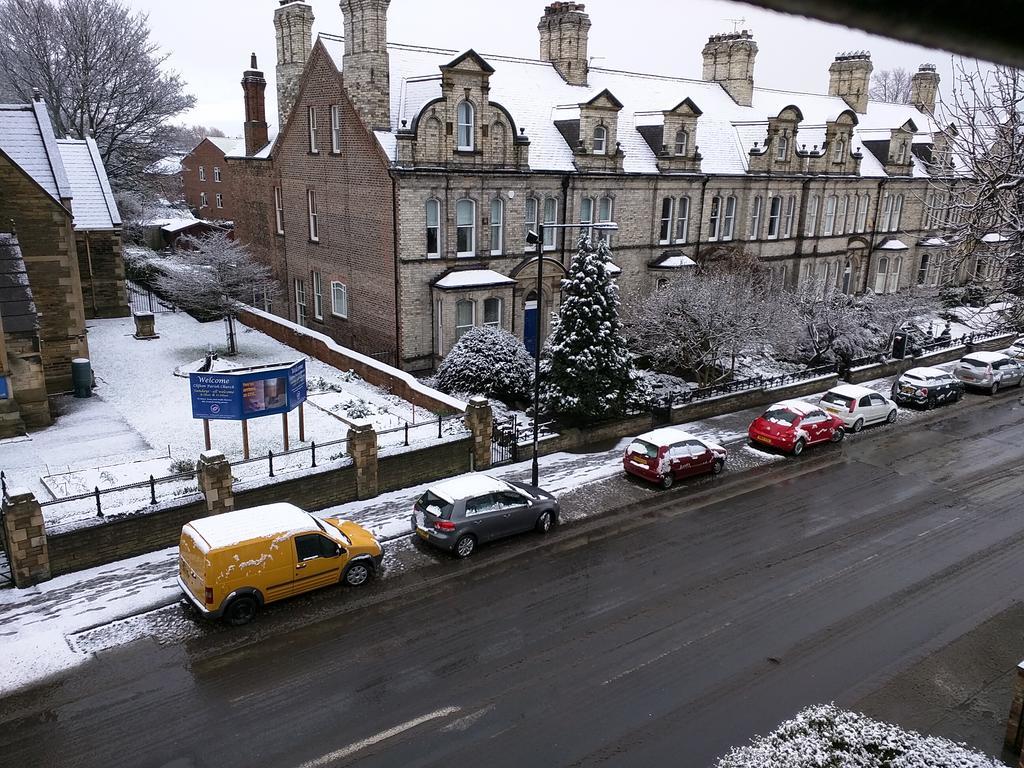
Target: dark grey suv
459, 514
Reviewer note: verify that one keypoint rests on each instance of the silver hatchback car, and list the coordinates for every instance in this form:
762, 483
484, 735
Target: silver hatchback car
989, 370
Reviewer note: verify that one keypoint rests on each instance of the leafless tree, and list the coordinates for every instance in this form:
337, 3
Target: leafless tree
891, 85
185, 138
100, 73
214, 275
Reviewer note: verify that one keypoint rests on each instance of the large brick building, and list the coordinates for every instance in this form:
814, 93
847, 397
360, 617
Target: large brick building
206, 178
395, 202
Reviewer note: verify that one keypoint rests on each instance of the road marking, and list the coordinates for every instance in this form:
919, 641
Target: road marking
938, 527
669, 652
359, 746
467, 720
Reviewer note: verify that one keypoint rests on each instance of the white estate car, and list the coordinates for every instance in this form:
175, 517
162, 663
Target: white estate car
858, 407
989, 370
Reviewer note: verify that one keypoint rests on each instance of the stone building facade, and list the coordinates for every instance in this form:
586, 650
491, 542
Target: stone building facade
405, 200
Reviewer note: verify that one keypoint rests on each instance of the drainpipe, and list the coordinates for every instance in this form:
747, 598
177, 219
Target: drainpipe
398, 321
700, 219
801, 228
874, 234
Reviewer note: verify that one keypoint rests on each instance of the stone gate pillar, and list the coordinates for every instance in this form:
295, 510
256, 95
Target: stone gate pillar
479, 421
25, 537
215, 482
362, 447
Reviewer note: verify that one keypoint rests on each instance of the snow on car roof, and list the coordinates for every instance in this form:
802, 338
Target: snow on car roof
468, 486
985, 357
797, 406
665, 436
256, 523
927, 373
852, 390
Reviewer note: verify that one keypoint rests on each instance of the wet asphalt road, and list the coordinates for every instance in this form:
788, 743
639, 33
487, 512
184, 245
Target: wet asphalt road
661, 639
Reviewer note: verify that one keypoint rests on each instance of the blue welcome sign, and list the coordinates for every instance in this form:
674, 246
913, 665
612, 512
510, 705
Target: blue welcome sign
248, 393
4, 392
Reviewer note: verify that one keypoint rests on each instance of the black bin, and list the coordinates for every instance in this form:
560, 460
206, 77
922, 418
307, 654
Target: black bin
899, 346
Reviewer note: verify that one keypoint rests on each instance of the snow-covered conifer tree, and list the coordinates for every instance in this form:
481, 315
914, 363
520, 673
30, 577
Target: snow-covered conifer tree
587, 372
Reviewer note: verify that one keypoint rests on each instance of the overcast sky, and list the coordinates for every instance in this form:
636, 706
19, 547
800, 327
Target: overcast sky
209, 41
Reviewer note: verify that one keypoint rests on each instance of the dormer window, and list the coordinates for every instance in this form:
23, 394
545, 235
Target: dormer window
782, 148
466, 116
682, 142
839, 151
600, 140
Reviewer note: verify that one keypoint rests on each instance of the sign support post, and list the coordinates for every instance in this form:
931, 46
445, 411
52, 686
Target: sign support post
206, 433
302, 423
284, 427
245, 439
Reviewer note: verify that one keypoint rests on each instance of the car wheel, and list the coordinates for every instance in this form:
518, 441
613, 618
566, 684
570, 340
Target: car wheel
798, 447
667, 480
464, 546
838, 435
545, 522
357, 574
995, 388
241, 610
891, 418
717, 467
930, 403
858, 425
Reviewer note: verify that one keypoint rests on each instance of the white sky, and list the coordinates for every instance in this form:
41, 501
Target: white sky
210, 41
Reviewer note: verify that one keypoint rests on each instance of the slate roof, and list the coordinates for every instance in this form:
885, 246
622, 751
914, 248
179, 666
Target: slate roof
26, 136
17, 309
93, 206
540, 102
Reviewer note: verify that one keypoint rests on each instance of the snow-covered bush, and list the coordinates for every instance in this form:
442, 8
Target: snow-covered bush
360, 409
487, 361
826, 737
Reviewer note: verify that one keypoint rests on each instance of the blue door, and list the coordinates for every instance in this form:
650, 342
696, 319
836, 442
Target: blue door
530, 318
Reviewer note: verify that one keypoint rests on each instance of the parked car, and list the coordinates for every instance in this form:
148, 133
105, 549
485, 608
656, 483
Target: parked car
1016, 350
928, 387
457, 515
858, 407
231, 565
666, 455
792, 425
989, 370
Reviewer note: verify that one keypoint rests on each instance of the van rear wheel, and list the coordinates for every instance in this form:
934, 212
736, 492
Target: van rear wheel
241, 610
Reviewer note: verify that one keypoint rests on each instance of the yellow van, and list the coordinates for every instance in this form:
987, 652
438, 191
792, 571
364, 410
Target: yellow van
230, 565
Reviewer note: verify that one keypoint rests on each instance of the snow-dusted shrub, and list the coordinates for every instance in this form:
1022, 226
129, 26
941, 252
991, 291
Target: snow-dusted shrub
828, 737
182, 466
360, 409
487, 361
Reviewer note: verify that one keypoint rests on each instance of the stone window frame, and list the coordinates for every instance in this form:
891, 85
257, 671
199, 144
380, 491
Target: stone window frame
813, 206
789, 219
682, 143
605, 219
600, 130
462, 329
435, 203
756, 206
842, 211
890, 276
465, 123
497, 226
728, 231
828, 224
550, 239
666, 219
460, 227
339, 299
530, 223
781, 148
589, 202
861, 223
714, 218
774, 217
489, 302
682, 233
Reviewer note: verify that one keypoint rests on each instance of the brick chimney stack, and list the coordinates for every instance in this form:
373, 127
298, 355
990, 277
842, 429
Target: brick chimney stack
254, 86
924, 88
729, 61
849, 77
564, 37
293, 23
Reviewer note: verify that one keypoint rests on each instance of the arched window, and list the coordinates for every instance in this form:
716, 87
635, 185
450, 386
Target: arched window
532, 207
812, 216
848, 276
830, 215
497, 226
465, 227
862, 211
897, 212
838, 154
600, 140
604, 216
492, 313
881, 274
465, 317
467, 121
790, 216
433, 211
682, 142
755, 217
781, 148
715, 218
844, 201
683, 220
587, 214
550, 219
667, 209
774, 217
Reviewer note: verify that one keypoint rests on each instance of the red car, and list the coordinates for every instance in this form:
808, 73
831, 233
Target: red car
666, 455
792, 425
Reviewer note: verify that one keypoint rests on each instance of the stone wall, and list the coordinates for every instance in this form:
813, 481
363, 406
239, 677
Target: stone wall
716, 406
101, 266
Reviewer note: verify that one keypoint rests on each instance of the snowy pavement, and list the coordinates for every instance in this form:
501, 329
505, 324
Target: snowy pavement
76, 615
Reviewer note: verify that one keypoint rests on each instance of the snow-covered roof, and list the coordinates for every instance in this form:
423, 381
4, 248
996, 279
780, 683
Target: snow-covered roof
892, 244
227, 145
994, 237
255, 523
927, 373
536, 95
852, 390
239, 153
985, 357
179, 225
26, 136
933, 242
666, 436
673, 260
613, 269
93, 206
472, 278
468, 486
796, 406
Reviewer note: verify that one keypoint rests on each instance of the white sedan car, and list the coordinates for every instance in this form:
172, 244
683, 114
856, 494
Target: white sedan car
858, 407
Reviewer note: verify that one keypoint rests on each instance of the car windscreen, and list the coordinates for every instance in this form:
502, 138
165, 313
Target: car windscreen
836, 399
781, 416
642, 447
972, 363
432, 504
331, 531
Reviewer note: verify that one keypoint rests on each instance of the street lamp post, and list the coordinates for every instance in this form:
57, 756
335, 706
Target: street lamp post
537, 238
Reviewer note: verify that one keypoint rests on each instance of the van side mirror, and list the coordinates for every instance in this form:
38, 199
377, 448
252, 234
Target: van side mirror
338, 551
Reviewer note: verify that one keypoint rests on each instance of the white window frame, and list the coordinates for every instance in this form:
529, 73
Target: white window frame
829, 224
550, 218
461, 329
497, 226
715, 218
300, 302
311, 120
531, 215
600, 140
490, 302
466, 203
216, 174
668, 206
683, 219
336, 129
863, 204
202, 173
605, 213
897, 212
781, 148
923, 269
774, 217
729, 219
204, 201
318, 295
314, 216
790, 216
841, 214
218, 200
811, 227
837, 153
588, 207
682, 142
432, 205
279, 210
465, 115
755, 218
339, 299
